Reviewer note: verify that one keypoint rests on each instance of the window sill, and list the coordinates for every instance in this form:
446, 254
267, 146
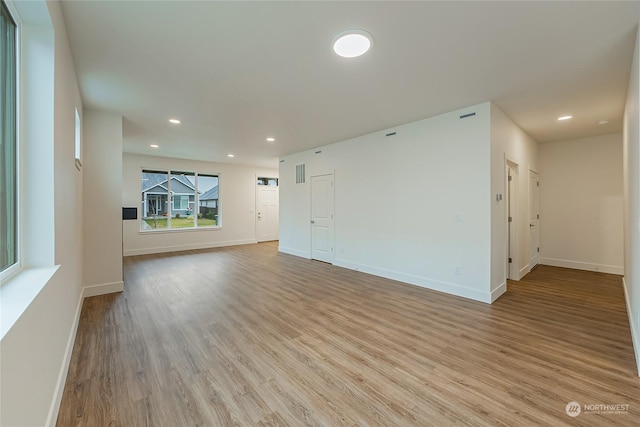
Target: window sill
179, 230
17, 294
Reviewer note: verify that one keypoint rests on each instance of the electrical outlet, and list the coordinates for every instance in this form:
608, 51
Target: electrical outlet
457, 269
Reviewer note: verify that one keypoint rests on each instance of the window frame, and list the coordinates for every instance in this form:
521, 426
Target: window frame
78, 140
16, 267
171, 199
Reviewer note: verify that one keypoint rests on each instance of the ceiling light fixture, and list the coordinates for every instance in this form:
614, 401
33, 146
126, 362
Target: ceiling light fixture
271, 139
603, 122
174, 121
154, 146
561, 118
230, 155
352, 43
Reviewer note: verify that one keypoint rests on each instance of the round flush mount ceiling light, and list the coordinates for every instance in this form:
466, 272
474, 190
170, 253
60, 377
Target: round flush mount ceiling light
174, 121
563, 118
352, 43
154, 146
230, 155
271, 139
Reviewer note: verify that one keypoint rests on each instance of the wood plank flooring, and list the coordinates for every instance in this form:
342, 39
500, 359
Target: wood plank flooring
244, 336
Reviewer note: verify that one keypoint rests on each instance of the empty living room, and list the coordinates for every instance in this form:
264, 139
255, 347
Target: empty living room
262, 213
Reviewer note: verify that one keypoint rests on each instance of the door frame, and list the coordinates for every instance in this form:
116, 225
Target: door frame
312, 175
534, 170
512, 270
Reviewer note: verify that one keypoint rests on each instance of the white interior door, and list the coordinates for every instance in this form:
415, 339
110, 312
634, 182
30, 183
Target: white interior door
512, 257
267, 212
534, 219
322, 218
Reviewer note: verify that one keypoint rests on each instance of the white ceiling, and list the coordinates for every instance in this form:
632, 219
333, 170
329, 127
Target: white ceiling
237, 72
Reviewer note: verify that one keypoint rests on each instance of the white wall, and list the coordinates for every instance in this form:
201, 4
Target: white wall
631, 179
35, 351
397, 199
237, 192
509, 142
102, 144
581, 204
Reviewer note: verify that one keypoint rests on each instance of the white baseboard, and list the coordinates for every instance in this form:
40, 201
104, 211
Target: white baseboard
102, 289
295, 252
424, 282
497, 292
523, 271
579, 265
190, 247
635, 339
87, 291
64, 369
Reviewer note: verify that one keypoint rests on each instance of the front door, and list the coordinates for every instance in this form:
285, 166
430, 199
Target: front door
322, 218
534, 219
268, 215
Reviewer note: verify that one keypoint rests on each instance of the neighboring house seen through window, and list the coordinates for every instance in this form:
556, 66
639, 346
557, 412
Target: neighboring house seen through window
179, 200
9, 259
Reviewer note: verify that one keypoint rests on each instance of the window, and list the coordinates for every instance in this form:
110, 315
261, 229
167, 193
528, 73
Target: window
180, 203
208, 204
78, 146
8, 143
179, 200
272, 182
183, 199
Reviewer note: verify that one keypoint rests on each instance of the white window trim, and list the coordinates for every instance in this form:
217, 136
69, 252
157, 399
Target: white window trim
16, 268
195, 227
78, 141
18, 292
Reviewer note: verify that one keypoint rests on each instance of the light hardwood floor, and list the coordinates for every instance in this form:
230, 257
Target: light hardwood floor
246, 336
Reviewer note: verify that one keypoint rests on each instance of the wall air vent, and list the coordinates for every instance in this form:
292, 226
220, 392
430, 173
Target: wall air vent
300, 174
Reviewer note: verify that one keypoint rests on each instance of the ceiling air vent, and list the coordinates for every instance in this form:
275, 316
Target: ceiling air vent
300, 174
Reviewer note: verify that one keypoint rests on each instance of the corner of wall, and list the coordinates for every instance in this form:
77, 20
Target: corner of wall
635, 338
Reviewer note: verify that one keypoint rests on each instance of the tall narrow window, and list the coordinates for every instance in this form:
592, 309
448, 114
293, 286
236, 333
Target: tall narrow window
208, 201
78, 146
8, 143
155, 200
183, 199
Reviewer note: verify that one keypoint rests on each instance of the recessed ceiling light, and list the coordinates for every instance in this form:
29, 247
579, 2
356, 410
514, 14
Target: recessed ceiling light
603, 122
174, 121
271, 139
154, 145
352, 43
230, 155
561, 118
